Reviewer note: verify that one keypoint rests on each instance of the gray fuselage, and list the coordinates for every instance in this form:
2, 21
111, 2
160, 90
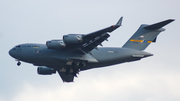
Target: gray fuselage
39, 55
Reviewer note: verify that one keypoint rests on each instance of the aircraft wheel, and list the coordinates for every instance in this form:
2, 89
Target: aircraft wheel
19, 63
74, 63
75, 72
82, 64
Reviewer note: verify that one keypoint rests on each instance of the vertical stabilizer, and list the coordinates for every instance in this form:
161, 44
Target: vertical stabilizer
145, 35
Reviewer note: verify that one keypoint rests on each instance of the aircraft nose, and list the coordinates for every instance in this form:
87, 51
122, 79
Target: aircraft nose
12, 52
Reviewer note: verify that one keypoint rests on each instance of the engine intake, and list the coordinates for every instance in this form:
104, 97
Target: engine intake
55, 44
43, 70
72, 38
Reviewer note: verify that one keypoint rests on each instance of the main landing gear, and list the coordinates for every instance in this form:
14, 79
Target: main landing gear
72, 70
73, 67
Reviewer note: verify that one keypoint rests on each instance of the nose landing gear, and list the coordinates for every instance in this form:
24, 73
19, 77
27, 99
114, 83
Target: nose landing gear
19, 63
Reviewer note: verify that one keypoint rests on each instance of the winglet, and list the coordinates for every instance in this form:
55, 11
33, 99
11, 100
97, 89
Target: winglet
159, 25
119, 22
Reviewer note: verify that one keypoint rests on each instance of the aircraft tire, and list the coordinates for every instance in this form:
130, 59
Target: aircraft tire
19, 63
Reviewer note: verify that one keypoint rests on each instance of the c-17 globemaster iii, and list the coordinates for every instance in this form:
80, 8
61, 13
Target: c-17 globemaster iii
78, 52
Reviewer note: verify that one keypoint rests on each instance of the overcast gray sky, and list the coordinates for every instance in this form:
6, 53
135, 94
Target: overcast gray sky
155, 78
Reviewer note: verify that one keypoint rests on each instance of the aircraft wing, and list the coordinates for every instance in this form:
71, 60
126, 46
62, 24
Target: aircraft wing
92, 40
66, 77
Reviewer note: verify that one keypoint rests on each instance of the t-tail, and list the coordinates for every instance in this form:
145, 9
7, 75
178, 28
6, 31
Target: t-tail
145, 35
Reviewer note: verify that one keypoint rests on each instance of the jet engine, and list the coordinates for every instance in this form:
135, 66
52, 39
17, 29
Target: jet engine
55, 44
43, 70
72, 39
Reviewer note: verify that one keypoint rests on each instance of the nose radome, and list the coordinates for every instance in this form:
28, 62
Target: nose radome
11, 52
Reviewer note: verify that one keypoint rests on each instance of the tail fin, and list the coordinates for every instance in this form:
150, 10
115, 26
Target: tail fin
145, 35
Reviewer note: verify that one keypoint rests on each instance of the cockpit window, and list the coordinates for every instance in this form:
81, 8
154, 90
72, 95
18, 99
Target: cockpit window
18, 46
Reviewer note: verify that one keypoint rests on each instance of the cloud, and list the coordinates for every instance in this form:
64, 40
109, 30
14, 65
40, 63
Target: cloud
159, 86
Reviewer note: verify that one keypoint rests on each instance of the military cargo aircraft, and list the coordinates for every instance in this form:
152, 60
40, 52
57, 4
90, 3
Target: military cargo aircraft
79, 52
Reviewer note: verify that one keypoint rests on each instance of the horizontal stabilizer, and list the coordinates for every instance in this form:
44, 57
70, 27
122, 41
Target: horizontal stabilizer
159, 25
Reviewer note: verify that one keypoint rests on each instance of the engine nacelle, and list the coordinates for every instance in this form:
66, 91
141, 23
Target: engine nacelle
55, 44
43, 70
72, 38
